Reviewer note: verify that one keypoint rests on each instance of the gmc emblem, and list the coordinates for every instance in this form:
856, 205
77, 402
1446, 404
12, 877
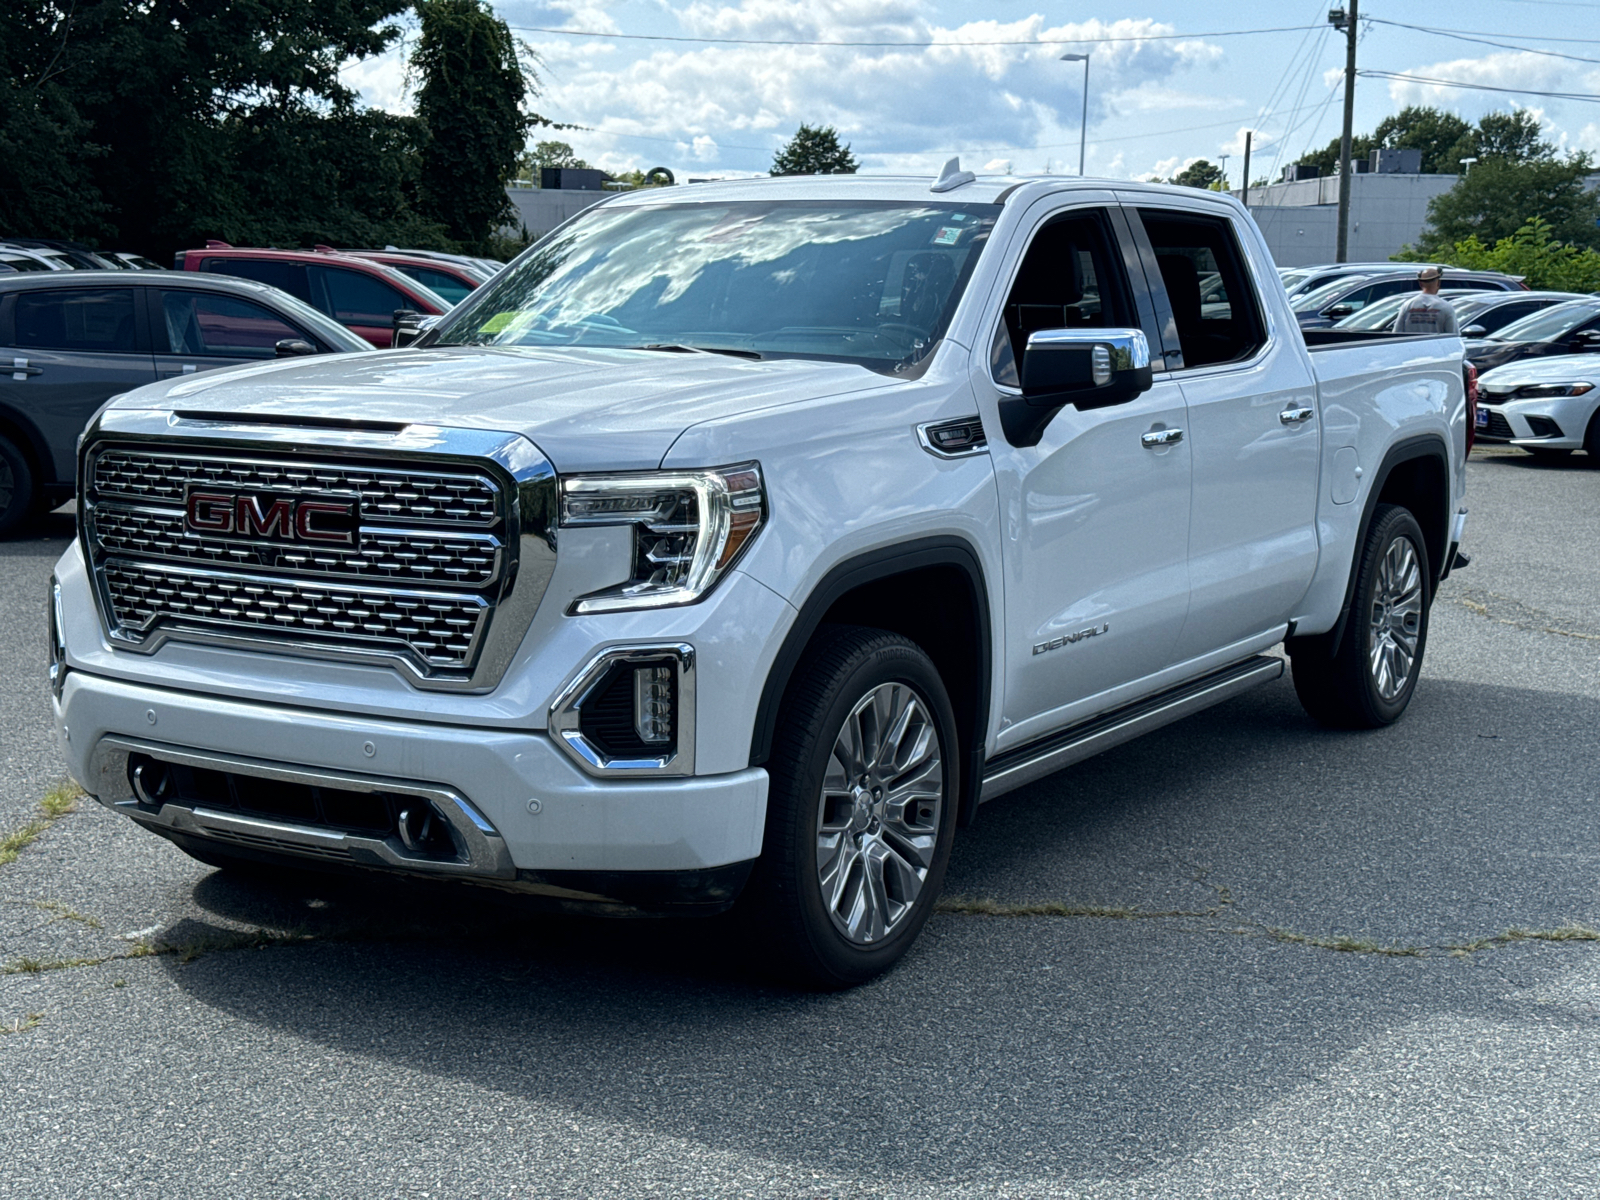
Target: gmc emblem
263, 516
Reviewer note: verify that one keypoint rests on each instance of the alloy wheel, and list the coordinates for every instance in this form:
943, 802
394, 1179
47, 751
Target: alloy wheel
879, 813
1396, 619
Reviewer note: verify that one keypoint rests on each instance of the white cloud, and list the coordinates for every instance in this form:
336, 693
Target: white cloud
1507, 69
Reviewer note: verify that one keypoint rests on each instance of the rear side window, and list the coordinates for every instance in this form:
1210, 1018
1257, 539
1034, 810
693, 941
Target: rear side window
448, 286
202, 323
1503, 314
287, 276
97, 320
1475, 285
1213, 301
352, 298
1392, 287
1068, 279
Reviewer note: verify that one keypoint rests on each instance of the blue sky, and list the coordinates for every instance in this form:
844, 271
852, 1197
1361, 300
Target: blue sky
709, 109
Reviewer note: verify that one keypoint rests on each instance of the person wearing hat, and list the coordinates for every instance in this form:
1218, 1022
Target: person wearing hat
1425, 312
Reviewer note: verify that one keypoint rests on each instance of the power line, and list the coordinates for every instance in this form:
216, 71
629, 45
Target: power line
1516, 37
1479, 87
727, 41
1462, 37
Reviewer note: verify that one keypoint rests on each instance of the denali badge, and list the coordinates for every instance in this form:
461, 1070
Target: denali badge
274, 518
1066, 639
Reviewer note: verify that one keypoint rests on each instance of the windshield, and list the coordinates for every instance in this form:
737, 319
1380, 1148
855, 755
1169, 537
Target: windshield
1549, 323
871, 282
1319, 298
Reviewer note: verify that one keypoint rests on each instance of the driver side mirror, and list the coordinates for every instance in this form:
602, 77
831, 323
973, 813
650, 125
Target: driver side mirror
293, 348
1089, 368
1474, 331
1340, 310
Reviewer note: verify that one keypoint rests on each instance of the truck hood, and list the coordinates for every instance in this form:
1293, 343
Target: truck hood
1561, 368
586, 408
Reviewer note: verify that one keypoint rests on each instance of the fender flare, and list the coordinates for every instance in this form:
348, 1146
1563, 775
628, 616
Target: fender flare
1424, 445
865, 568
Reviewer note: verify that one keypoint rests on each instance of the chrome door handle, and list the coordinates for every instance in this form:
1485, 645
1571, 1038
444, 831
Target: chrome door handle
1161, 437
21, 370
1293, 416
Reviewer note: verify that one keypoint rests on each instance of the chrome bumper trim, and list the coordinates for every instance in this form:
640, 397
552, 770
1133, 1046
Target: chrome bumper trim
486, 854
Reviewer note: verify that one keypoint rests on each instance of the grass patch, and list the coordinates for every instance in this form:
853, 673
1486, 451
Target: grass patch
22, 1024
57, 803
1345, 944
62, 913
979, 907
184, 952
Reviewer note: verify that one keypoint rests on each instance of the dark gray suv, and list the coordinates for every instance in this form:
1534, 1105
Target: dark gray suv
70, 340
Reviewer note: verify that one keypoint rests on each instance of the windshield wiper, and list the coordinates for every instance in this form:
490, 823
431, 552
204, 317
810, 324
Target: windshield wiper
681, 348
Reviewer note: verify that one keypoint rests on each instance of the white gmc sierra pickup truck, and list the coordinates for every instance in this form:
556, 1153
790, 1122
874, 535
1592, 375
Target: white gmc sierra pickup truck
737, 541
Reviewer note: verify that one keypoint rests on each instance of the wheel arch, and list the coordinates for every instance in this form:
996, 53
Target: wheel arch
1415, 474
23, 434
931, 590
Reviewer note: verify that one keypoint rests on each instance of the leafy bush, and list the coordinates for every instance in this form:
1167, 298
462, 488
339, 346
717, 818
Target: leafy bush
1532, 252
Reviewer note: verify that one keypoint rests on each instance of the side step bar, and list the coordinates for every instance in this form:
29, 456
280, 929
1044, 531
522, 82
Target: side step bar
1019, 767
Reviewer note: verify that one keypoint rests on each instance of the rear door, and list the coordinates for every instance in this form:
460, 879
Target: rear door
1253, 432
200, 330
1097, 518
70, 350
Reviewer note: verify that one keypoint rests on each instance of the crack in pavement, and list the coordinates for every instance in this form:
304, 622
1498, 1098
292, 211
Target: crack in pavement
1503, 610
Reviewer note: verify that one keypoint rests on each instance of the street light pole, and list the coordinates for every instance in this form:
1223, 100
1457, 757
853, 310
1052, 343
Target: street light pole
1083, 128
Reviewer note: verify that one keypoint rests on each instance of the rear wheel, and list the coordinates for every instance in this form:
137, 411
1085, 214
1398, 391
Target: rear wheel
1591, 440
1369, 680
860, 810
16, 487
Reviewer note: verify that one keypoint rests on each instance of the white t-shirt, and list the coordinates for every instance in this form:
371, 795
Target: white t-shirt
1425, 314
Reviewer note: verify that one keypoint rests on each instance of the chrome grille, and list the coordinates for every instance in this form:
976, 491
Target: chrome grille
470, 560
441, 628
396, 495
449, 561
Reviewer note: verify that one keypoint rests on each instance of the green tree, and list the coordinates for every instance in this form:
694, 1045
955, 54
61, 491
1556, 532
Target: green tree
1513, 137
1327, 159
1496, 198
1199, 174
1533, 253
1431, 130
474, 85
546, 154
815, 151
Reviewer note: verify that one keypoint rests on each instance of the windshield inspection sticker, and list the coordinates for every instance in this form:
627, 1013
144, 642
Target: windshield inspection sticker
948, 235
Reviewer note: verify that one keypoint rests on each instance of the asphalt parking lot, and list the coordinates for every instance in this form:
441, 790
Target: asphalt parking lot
1272, 961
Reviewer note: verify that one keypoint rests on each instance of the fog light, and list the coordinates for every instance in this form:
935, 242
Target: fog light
652, 704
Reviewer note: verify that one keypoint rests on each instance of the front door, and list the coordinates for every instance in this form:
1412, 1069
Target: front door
200, 330
1096, 516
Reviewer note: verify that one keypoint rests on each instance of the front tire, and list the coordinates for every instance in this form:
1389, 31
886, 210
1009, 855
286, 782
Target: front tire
861, 809
1369, 681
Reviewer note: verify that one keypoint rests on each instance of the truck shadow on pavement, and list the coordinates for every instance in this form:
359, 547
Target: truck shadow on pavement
1002, 1048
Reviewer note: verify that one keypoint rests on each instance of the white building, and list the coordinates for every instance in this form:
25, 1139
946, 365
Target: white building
1300, 220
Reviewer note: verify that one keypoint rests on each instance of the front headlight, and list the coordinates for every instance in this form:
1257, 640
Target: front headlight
688, 528
1546, 391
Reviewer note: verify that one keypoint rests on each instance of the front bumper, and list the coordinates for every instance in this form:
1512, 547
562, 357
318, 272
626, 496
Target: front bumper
1553, 423
541, 823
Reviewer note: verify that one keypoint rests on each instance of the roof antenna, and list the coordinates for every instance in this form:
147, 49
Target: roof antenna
952, 177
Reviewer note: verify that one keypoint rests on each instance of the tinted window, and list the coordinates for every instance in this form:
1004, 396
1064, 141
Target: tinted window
1189, 250
289, 276
1475, 285
97, 320
1067, 280
448, 286
1392, 287
1502, 315
356, 299
1549, 324
201, 323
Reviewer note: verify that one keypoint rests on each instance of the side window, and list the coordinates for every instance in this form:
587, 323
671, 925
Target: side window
1392, 287
203, 323
1472, 285
448, 286
97, 320
1068, 279
352, 298
1212, 298
286, 276
1504, 314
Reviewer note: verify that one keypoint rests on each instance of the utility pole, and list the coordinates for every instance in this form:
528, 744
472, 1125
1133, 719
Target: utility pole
1246, 180
1341, 19
1225, 159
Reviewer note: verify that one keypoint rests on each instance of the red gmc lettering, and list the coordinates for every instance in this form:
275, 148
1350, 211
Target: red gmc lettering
309, 533
209, 512
277, 521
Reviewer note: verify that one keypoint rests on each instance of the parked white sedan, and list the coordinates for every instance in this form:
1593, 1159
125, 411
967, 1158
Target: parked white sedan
1548, 406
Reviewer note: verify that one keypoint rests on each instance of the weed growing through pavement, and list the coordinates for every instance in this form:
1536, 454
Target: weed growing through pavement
57, 803
22, 1024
